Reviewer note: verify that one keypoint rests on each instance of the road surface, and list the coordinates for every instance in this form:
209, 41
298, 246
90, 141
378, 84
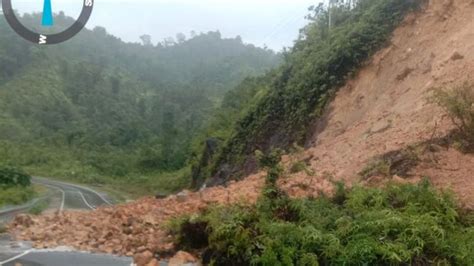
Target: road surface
63, 196
74, 196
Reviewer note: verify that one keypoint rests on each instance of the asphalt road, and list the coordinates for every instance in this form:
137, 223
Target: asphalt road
63, 196
74, 196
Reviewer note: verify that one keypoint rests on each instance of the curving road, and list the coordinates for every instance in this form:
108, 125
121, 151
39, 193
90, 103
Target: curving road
74, 196
64, 196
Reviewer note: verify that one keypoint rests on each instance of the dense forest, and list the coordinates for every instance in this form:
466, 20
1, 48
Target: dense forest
101, 110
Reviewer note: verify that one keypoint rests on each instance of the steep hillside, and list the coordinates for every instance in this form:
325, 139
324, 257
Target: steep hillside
387, 106
319, 63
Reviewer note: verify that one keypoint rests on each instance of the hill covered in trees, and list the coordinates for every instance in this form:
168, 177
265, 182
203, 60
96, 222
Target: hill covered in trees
97, 107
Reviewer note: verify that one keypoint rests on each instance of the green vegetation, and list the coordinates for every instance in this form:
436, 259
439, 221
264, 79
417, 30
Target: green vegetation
15, 195
3, 228
459, 104
297, 167
290, 99
99, 110
13, 177
39, 207
14, 187
395, 225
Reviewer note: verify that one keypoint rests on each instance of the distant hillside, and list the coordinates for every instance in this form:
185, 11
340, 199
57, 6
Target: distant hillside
98, 106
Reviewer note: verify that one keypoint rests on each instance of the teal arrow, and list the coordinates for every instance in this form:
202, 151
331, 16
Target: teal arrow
47, 14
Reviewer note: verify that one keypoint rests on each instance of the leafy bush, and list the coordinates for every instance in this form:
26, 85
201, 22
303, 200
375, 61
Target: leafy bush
297, 167
395, 225
459, 103
10, 177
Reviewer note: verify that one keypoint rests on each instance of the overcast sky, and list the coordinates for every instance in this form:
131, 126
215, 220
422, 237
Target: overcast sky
271, 22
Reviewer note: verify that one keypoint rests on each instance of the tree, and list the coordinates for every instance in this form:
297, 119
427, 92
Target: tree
180, 37
146, 40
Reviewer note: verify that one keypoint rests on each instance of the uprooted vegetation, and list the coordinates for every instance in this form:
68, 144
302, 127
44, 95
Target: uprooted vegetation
394, 225
459, 104
394, 163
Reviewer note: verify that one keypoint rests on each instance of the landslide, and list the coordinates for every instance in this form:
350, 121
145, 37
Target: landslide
386, 108
383, 109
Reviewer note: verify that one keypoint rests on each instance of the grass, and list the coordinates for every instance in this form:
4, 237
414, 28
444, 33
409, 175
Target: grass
394, 225
39, 207
297, 167
63, 164
16, 195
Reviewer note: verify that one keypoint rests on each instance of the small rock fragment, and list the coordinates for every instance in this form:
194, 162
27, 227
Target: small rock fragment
456, 56
182, 196
405, 73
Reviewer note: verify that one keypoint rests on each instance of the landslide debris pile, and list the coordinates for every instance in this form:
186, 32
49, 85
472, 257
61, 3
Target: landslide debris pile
134, 229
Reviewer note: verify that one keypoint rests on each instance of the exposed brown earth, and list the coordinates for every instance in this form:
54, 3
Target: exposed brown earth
384, 108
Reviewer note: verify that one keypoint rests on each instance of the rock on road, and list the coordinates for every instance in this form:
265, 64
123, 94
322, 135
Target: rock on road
70, 197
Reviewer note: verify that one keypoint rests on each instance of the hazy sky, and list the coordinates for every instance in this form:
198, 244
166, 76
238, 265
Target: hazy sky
271, 22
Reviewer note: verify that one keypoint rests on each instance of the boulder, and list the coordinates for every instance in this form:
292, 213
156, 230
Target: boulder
142, 259
153, 262
23, 220
182, 258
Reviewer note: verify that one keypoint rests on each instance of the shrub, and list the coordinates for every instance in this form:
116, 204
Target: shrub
459, 104
377, 167
297, 167
394, 225
13, 177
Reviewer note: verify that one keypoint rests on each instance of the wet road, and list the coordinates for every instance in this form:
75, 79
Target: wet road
74, 196
62, 196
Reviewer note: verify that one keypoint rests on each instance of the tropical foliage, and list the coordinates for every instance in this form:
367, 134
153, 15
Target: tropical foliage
395, 225
97, 107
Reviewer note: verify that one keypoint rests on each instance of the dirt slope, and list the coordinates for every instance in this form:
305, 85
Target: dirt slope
384, 108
